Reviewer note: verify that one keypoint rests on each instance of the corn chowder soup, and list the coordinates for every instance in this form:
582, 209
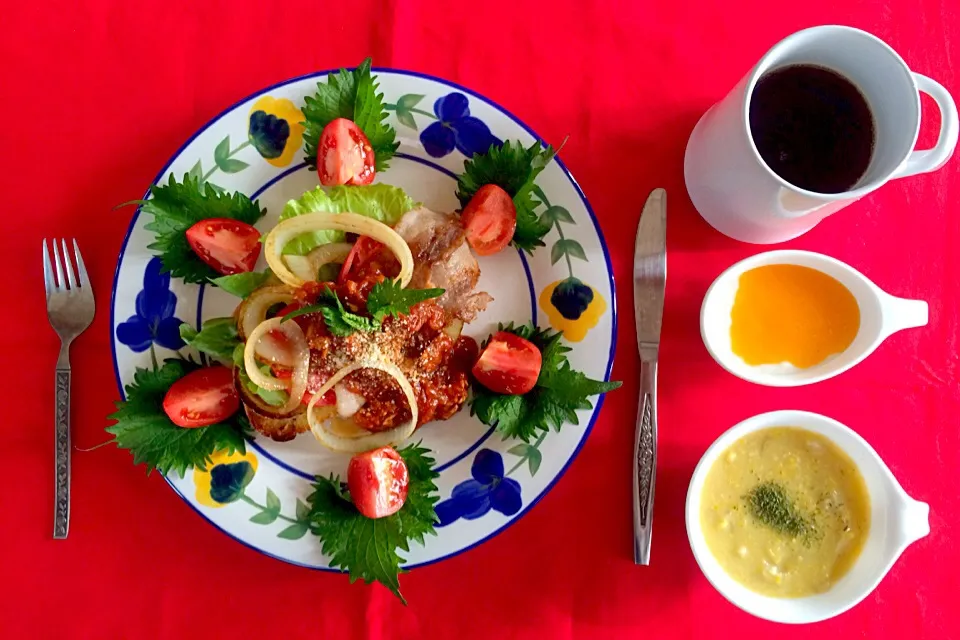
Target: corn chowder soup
785, 512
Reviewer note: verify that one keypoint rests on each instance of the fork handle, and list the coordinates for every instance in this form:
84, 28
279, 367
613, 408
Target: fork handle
61, 514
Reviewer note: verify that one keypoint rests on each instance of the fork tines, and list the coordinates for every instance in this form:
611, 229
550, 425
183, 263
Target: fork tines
61, 275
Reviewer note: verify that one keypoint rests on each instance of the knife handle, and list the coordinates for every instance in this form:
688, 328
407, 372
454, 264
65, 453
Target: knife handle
645, 463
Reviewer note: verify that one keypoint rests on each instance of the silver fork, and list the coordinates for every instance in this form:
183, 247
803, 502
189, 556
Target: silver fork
70, 310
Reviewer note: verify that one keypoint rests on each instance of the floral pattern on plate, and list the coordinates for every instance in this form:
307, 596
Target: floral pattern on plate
226, 482
572, 307
488, 489
275, 130
154, 321
454, 128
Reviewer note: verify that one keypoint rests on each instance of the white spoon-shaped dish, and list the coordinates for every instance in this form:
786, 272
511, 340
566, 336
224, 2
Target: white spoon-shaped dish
896, 521
880, 316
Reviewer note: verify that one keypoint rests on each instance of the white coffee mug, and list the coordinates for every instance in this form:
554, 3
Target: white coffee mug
739, 195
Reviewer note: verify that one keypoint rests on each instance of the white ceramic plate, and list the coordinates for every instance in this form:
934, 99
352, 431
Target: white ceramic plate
485, 483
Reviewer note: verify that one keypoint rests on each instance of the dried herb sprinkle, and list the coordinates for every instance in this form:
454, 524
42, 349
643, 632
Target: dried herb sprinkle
771, 506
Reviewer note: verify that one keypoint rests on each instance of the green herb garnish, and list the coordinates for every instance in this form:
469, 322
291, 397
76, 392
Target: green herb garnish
385, 299
513, 168
144, 429
177, 206
368, 549
339, 321
770, 505
351, 95
559, 393
388, 298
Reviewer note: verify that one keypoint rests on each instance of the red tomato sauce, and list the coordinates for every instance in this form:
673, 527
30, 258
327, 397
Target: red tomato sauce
432, 361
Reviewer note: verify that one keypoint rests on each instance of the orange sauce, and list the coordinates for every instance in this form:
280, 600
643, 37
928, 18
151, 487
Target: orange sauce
788, 313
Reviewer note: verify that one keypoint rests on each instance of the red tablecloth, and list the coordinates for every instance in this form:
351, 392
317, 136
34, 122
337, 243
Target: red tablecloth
97, 95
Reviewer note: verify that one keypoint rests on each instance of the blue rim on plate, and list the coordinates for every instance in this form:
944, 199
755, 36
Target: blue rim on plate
603, 245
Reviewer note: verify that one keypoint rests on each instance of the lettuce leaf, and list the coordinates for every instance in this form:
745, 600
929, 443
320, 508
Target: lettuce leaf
274, 398
242, 284
217, 337
382, 202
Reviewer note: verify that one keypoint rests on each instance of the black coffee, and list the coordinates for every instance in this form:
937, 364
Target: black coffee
813, 127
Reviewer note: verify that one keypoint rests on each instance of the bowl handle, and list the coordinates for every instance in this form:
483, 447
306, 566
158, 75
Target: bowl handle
901, 313
914, 521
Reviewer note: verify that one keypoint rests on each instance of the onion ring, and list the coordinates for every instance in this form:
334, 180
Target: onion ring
287, 230
274, 349
341, 438
308, 266
253, 310
298, 381
256, 403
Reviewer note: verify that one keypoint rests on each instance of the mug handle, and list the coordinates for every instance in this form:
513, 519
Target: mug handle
932, 159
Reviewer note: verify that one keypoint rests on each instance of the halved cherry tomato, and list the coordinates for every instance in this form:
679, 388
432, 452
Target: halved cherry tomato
508, 364
344, 155
490, 219
378, 482
202, 397
229, 246
363, 249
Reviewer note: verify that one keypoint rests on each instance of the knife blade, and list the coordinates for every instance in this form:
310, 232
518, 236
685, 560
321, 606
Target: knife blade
649, 285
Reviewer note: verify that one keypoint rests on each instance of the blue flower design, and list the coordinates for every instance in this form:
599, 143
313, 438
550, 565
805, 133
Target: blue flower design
488, 489
154, 321
227, 481
268, 134
456, 128
571, 298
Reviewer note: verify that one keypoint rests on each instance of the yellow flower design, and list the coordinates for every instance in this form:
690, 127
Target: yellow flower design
225, 479
276, 129
572, 307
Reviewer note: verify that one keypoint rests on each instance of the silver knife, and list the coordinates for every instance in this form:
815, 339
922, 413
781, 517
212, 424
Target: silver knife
649, 282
